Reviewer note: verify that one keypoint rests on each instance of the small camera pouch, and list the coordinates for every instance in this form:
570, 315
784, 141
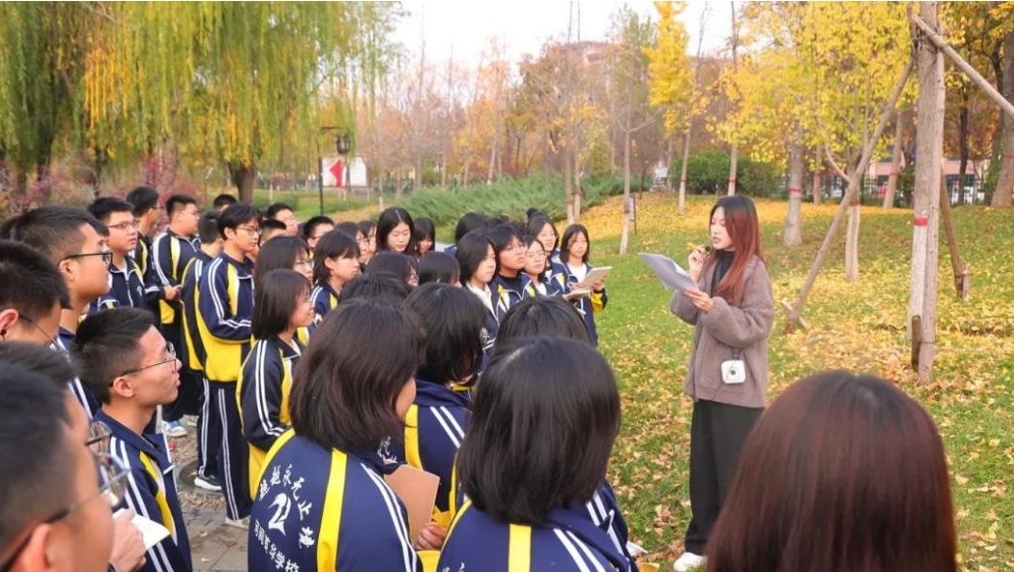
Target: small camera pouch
734, 370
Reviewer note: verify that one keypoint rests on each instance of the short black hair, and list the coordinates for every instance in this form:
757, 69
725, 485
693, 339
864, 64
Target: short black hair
374, 286
31, 283
236, 215
467, 223
453, 318
178, 203
271, 213
572, 231
424, 229
143, 198
224, 200
367, 226
44, 360
311, 225
344, 391
53, 230
533, 212
388, 221
349, 228
390, 262
38, 467
102, 207
107, 344
279, 252
549, 316
438, 267
559, 399
207, 227
501, 236
272, 224
334, 244
276, 297
472, 249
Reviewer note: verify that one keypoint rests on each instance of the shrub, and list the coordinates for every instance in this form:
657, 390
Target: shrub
708, 173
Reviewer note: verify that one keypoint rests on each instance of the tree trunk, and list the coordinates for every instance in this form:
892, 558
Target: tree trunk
683, 172
892, 178
963, 128
443, 171
793, 221
243, 178
625, 228
733, 159
818, 188
1005, 183
568, 182
577, 184
417, 180
492, 161
852, 242
926, 197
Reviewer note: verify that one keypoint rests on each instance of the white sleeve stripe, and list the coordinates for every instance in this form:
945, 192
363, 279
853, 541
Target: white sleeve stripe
574, 555
261, 394
447, 430
454, 422
587, 552
407, 552
219, 306
156, 247
134, 500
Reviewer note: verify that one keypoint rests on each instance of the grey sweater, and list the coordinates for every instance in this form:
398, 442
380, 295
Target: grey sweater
726, 328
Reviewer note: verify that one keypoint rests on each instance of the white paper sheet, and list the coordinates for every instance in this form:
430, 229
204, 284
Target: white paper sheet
672, 275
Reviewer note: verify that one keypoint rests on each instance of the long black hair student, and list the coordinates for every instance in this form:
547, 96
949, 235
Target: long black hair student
528, 485
425, 236
282, 305
395, 264
348, 398
290, 252
335, 263
395, 231
439, 267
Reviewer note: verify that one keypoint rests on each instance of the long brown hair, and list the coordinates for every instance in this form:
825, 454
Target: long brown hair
744, 230
843, 473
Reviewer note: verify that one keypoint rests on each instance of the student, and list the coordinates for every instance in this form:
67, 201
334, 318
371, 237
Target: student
284, 214
322, 503
542, 228
72, 240
425, 236
543, 316
225, 297
335, 263
126, 279
848, 473
395, 231
732, 312
369, 230
439, 267
271, 228
538, 282
561, 400
170, 253
315, 228
466, 224
510, 282
574, 267
478, 263
132, 369
223, 201
209, 427
284, 252
436, 422
56, 514
32, 296
395, 264
282, 304
375, 287
148, 214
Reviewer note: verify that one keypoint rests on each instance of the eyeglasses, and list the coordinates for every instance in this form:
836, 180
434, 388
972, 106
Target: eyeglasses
107, 256
251, 231
112, 475
517, 247
39, 329
125, 225
170, 352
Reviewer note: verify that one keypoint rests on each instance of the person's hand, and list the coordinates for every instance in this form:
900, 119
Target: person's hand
172, 292
128, 546
431, 538
598, 286
695, 263
703, 302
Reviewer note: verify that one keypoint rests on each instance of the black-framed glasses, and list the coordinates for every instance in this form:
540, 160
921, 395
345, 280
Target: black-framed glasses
125, 225
170, 353
251, 231
112, 476
107, 256
39, 329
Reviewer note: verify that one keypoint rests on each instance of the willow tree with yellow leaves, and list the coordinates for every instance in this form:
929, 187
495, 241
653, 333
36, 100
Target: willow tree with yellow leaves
815, 76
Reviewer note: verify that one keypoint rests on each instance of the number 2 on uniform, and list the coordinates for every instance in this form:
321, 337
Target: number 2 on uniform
282, 506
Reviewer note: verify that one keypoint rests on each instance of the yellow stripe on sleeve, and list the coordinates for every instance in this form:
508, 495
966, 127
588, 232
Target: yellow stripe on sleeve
412, 456
327, 538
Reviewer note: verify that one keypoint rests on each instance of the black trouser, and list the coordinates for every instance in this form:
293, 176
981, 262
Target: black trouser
233, 453
191, 393
717, 432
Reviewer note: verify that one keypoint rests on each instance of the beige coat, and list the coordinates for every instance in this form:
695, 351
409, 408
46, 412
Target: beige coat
718, 333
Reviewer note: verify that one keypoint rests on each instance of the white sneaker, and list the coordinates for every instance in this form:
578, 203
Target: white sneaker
243, 523
688, 561
208, 483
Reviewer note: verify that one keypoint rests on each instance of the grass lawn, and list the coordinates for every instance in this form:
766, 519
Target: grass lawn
857, 326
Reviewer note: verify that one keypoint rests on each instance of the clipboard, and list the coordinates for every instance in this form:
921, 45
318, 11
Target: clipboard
418, 490
596, 274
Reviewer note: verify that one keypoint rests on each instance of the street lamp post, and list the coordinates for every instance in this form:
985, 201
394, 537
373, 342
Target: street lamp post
342, 146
